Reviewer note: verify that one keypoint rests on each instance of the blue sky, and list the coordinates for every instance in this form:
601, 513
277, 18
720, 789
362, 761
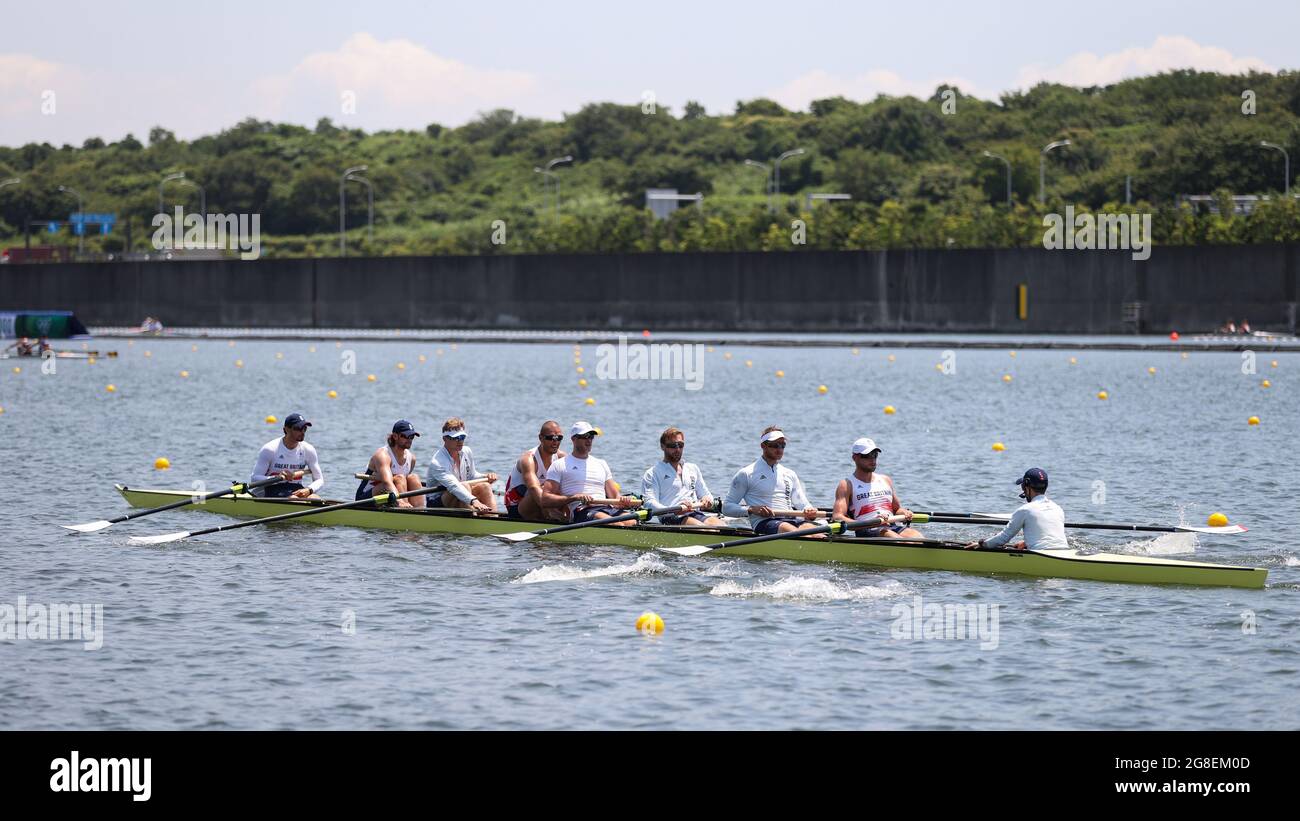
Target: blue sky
98, 69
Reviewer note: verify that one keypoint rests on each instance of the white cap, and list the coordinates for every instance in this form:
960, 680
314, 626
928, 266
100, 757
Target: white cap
865, 445
772, 436
579, 428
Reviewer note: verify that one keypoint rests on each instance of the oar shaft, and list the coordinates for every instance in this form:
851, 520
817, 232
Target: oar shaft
382, 498
641, 514
239, 487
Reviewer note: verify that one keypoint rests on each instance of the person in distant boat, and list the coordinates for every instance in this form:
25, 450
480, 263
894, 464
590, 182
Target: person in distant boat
22, 347
579, 480
392, 467
1245, 326
1042, 520
523, 491
674, 482
43, 346
866, 494
452, 466
151, 326
290, 458
770, 493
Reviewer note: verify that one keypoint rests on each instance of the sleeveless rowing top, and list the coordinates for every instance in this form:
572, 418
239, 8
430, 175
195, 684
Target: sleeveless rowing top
515, 486
867, 498
398, 468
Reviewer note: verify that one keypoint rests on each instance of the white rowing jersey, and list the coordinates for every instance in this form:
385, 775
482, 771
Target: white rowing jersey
276, 456
516, 487
585, 477
758, 483
870, 498
663, 487
396, 467
1043, 522
445, 472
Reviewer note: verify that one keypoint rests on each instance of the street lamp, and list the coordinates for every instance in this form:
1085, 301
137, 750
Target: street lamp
370, 205
1042, 167
10, 181
555, 178
81, 235
203, 194
1286, 180
767, 180
1006, 162
785, 156
343, 207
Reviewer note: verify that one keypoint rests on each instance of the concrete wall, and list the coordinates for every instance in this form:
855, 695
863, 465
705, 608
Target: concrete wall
1190, 289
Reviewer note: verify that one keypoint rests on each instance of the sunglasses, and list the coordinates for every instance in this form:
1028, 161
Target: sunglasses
553, 437
777, 445
585, 436
460, 436
405, 435
675, 445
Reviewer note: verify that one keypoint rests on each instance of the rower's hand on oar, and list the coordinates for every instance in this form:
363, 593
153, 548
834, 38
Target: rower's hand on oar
491, 477
972, 545
905, 513
761, 510
1019, 546
811, 513
302, 493
628, 502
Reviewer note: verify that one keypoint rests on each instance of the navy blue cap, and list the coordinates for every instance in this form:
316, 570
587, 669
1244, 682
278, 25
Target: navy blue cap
1035, 478
296, 421
403, 426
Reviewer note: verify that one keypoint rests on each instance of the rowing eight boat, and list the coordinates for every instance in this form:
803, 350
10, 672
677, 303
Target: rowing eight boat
899, 553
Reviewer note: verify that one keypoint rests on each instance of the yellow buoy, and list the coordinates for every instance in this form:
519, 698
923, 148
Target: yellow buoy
938, 366
194, 347
726, 355
1273, 364
998, 447
1184, 354
582, 369
589, 401
454, 346
749, 363
185, 374
279, 355
338, 344
147, 354
161, 463
271, 420
1006, 377
231, 343
438, 352
424, 358
1074, 360
90, 361
1217, 520
370, 378
601, 432
1151, 371
890, 410
17, 369
312, 349
2, 410
891, 357
855, 351
649, 624
239, 363
401, 366
1266, 384
821, 389
1254, 420
709, 349
1102, 395
1013, 354
780, 374
333, 394
111, 388
582, 383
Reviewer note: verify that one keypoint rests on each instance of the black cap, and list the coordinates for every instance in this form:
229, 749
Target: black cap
296, 421
1035, 478
404, 427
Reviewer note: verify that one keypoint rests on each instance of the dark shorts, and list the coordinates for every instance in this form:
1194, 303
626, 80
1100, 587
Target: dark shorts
512, 512
694, 517
587, 513
767, 527
280, 490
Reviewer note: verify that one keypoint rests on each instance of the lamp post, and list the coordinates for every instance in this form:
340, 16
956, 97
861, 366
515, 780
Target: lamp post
81, 235
1286, 179
556, 179
784, 156
343, 207
767, 180
1042, 168
370, 205
1007, 163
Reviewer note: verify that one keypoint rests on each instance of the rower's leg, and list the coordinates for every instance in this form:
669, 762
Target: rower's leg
530, 509
483, 492
627, 523
413, 483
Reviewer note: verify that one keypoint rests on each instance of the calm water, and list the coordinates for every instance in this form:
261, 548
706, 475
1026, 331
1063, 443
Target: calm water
242, 630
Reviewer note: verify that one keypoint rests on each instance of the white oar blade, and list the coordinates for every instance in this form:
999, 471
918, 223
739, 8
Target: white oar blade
1219, 530
160, 539
692, 550
89, 527
516, 537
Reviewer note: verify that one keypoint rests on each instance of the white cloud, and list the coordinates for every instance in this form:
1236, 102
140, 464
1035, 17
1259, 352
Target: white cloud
26, 84
397, 84
818, 84
1165, 54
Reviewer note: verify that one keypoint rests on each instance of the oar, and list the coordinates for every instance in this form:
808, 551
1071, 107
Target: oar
382, 498
834, 528
982, 519
241, 487
639, 515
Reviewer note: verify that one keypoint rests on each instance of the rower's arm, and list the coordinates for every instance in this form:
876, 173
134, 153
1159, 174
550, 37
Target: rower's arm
734, 505
383, 472
650, 493
840, 509
313, 465
551, 495
701, 490
799, 498
1013, 527
443, 474
262, 466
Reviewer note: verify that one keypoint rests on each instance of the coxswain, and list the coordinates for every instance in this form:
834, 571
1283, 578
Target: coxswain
1042, 520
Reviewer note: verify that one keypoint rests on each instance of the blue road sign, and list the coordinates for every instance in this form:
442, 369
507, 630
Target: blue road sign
52, 227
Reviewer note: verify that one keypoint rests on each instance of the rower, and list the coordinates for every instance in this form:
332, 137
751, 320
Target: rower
22, 347
1042, 519
675, 483
769, 492
867, 494
289, 457
392, 467
43, 346
579, 479
523, 491
452, 466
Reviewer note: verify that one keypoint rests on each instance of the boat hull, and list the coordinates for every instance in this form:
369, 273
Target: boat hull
1067, 564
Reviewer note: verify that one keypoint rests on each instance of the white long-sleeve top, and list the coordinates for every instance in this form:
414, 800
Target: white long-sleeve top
758, 483
662, 487
1043, 522
444, 471
275, 456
